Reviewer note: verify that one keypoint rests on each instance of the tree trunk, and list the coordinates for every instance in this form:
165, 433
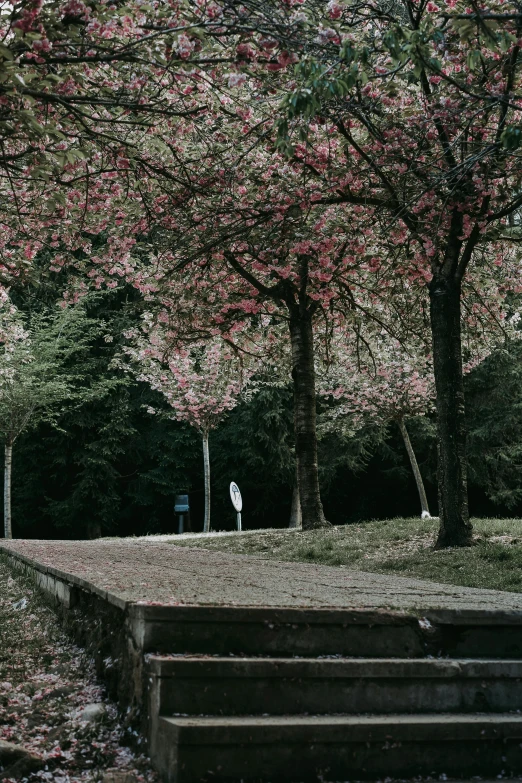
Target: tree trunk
455, 527
94, 530
8, 530
296, 520
425, 511
303, 374
206, 469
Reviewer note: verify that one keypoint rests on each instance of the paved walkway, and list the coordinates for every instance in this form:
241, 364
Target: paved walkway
162, 573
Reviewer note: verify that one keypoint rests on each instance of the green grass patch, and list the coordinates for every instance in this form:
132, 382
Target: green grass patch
393, 546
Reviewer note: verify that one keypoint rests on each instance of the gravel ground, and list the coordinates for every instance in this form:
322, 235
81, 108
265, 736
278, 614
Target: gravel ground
47, 689
162, 573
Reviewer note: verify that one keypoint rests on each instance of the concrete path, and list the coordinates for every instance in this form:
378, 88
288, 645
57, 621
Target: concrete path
162, 573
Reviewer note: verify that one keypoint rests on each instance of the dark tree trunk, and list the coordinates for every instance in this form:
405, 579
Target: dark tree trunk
303, 374
94, 530
455, 527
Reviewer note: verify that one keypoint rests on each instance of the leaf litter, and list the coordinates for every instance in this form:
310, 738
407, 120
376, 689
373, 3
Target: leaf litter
46, 682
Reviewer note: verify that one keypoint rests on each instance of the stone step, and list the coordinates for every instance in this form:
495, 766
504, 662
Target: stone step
254, 686
311, 632
308, 749
265, 631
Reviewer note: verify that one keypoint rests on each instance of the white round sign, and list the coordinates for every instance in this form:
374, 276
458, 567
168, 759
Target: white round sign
235, 496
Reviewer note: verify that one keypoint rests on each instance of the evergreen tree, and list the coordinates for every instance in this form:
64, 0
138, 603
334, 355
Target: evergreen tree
38, 374
255, 447
494, 412
109, 467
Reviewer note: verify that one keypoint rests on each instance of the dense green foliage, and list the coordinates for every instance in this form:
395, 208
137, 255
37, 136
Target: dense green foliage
109, 466
494, 392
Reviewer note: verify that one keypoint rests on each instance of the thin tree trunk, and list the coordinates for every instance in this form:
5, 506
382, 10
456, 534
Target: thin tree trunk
303, 374
425, 511
455, 527
206, 469
8, 530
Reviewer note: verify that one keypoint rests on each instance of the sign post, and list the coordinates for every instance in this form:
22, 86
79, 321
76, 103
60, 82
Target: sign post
237, 502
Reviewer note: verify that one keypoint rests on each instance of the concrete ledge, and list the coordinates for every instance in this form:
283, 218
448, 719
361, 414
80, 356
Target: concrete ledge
55, 588
98, 621
48, 579
177, 627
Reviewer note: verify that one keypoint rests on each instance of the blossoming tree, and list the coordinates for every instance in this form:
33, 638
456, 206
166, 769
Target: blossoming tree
400, 136
390, 385
411, 116
255, 241
201, 382
191, 192
82, 84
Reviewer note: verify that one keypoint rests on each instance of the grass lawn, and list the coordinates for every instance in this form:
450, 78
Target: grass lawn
393, 546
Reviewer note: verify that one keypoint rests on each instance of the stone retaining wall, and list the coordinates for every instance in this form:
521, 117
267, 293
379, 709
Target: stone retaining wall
100, 623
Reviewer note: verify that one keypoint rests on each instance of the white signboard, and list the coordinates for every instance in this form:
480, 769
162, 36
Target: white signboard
235, 496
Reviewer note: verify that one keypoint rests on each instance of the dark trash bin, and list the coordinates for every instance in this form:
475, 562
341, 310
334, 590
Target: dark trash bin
182, 508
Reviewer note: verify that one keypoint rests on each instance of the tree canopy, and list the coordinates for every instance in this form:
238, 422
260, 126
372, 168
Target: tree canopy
292, 183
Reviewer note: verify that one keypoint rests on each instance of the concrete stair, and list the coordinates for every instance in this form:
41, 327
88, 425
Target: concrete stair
328, 717
257, 631
336, 748
247, 670
250, 686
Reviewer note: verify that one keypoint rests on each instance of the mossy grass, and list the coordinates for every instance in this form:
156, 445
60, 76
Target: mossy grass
399, 546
